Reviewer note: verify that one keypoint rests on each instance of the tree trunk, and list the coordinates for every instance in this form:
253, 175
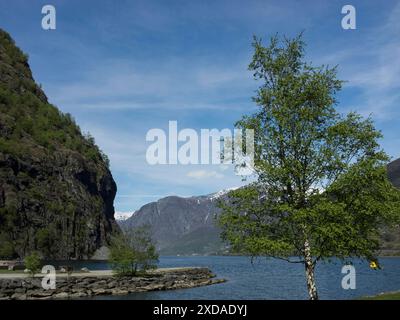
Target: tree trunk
309, 266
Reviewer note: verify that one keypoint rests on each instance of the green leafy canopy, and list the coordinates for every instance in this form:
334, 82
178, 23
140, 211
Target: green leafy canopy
320, 176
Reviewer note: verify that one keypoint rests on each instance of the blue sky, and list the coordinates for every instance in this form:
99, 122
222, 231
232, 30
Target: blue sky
124, 67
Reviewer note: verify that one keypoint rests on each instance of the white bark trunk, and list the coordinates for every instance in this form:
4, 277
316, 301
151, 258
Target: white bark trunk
309, 266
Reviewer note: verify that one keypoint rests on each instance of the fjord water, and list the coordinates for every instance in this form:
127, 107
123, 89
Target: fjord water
274, 279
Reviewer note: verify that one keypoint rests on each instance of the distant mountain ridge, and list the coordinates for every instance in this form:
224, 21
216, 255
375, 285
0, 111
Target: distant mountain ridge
182, 225
187, 225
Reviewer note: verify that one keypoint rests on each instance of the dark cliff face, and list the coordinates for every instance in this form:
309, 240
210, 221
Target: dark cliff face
391, 238
56, 191
394, 172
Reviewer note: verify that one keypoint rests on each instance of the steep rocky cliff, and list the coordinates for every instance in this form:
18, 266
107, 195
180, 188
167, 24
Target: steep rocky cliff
56, 191
391, 238
394, 172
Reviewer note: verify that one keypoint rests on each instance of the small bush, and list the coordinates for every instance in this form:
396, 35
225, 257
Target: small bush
32, 262
133, 252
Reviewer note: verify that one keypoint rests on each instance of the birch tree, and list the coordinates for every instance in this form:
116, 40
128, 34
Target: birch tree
321, 188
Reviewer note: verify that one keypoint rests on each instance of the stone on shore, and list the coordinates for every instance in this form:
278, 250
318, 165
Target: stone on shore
101, 284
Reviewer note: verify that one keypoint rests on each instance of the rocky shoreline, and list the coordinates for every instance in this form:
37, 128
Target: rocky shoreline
75, 287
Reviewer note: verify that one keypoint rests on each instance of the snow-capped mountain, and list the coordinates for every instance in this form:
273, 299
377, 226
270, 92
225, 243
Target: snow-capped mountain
122, 216
221, 193
188, 225
182, 225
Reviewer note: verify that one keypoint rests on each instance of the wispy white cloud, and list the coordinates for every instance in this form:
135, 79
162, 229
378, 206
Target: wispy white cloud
373, 68
167, 58
140, 183
124, 85
204, 174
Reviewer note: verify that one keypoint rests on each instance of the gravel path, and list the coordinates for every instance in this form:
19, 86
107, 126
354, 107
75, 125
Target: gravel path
94, 273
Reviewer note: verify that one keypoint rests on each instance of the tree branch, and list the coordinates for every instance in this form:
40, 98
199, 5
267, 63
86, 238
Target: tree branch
288, 260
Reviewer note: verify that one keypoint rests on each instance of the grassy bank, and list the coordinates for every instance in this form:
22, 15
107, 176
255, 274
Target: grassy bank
10, 271
384, 296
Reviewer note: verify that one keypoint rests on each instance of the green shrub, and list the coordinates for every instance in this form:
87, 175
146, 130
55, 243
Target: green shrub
32, 262
133, 252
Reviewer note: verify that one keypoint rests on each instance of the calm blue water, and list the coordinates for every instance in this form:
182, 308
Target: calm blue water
274, 279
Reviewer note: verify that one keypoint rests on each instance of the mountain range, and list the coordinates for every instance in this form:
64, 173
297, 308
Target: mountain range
187, 226
182, 225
